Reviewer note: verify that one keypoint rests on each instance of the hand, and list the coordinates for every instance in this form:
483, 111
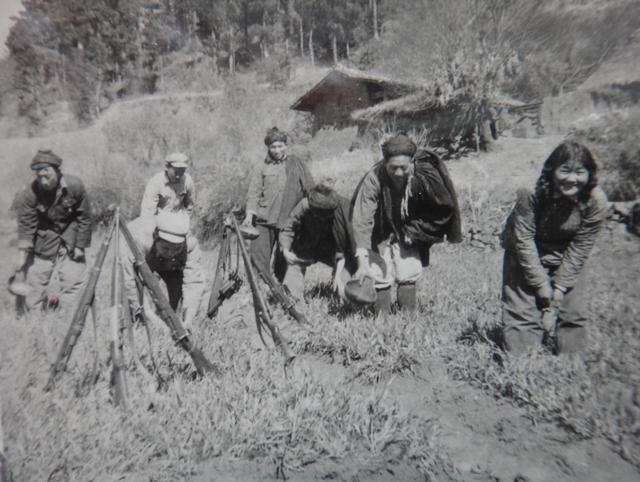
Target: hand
78, 254
557, 297
544, 294
292, 258
138, 315
548, 318
21, 261
364, 269
338, 285
248, 220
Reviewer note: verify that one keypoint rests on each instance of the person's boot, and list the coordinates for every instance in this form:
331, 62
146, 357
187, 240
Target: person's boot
407, 297
383, 302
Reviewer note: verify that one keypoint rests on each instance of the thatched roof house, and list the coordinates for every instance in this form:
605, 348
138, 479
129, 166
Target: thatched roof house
444, 122
347, 97
344, 90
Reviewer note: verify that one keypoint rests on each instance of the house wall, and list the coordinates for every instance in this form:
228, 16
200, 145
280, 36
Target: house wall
336, 108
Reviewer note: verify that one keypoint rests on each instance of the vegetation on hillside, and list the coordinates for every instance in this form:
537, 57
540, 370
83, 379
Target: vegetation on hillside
615, 146
91, 53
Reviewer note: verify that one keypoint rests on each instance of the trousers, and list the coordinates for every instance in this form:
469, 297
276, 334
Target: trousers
173, 281
265, 253
39, 271
403, 263
522, 317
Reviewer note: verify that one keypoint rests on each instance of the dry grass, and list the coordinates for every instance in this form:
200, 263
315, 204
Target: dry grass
593, 395
253, 412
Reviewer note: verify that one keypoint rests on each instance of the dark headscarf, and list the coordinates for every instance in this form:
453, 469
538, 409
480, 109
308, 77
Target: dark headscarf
45, 157
400, 145
323, 198
275, 135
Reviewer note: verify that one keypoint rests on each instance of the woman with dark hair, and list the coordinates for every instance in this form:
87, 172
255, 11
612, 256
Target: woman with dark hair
547, 239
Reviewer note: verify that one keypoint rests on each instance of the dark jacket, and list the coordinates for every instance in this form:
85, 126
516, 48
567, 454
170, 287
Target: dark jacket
47, 219
557, 235
324, 240
432, 207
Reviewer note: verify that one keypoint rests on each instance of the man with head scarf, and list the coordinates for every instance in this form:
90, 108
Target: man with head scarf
54, 228
317, 231
171, 252
169, 190
277, 184
402, 206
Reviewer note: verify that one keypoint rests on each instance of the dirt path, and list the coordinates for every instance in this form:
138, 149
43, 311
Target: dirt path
488, 439
484, 436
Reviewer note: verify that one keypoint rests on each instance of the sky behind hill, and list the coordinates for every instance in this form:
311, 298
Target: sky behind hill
8, 9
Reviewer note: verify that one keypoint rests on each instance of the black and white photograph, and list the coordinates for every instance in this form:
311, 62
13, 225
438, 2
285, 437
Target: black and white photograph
320, 240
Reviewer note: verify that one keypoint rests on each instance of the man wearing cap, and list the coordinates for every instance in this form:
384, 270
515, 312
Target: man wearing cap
169, 190
54, 228
276, 185
402, 206
173, 253
317, 231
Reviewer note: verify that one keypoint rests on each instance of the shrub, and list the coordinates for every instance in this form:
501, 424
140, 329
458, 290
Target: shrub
614, 145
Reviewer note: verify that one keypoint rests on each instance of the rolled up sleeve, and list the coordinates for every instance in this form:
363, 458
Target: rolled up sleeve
364, 211
524, 231
580, 247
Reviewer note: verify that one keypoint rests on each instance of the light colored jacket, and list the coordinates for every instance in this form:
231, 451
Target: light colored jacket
266, 187
276, 187
161, 194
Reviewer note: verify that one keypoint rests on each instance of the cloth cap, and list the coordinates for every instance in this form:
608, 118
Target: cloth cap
275, 135
400, 145
325, 201
173, 226
45, 157
177, 159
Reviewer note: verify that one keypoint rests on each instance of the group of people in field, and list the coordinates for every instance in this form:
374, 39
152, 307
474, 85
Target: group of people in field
378, 238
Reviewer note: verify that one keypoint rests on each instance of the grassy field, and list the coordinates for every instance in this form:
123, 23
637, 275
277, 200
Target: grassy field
423, 397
